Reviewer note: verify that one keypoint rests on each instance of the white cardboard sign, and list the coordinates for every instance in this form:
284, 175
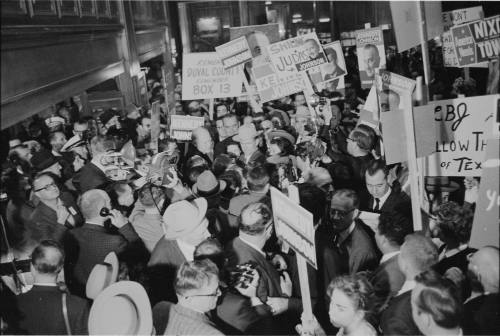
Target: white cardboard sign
181, 127
203, 77
294, 225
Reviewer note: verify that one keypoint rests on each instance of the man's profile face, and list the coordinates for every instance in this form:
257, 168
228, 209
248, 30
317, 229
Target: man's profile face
389, 101
311, 49
372, 60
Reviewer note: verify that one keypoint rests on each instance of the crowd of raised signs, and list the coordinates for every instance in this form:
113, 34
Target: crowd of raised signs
103, 236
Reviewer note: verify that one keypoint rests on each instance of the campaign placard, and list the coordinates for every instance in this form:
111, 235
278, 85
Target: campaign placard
462, 127
181, 127
273, 85
294, 225
371, 54
459, 16
234, 52
203, 76
335, 67
477, 41
297, 53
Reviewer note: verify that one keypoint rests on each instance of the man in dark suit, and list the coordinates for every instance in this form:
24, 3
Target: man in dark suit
92, 175
382, 197
88, 245
352, 241
482, 309
418, 254
255, 228
390, 234
42, 307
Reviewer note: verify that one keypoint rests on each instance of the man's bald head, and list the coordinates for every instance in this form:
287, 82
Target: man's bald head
92, 202
202, 140
484, 264
47, 258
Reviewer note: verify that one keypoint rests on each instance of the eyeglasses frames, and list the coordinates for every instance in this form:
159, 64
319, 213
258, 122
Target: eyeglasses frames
48, 186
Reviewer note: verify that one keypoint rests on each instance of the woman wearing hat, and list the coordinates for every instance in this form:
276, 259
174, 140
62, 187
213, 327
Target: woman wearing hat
282, 152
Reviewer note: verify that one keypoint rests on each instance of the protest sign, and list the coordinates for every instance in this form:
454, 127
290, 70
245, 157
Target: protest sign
463, 15
234, 52
258, 37
297, 53
406, 23
294, 225
486, 216
181, 127
335, 67
371, 54
450, 55
203, 76
477, 41
273, 85
462, 127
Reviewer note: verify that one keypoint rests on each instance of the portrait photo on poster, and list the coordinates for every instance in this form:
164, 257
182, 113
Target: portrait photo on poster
371, 54
335, 67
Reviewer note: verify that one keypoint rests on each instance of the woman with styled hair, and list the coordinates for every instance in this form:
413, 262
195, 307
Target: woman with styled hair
351, 299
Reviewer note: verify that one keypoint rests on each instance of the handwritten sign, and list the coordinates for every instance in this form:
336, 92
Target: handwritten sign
462, 127
203, 76
371, 54
477, 41
181, 127
297, 54
294, 225
460, 16
486, 217
234, 52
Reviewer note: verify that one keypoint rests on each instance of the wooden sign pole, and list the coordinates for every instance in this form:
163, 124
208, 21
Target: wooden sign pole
293, 194
211, 109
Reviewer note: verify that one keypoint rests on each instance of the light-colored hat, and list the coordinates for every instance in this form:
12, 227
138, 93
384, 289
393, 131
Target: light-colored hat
246, 133
102, 276
183, 217
207, 185
14, 143
73, 142
121, 309
282, 134
440, 183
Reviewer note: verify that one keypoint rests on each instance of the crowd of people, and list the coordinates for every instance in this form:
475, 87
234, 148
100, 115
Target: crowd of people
102, 235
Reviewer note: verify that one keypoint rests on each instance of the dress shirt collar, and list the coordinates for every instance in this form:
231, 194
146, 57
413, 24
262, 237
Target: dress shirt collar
388, 256
407, 286
186, 249
344, 234
382, 199
255, 247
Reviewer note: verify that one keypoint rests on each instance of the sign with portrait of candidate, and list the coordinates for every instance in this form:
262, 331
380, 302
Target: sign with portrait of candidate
371, 54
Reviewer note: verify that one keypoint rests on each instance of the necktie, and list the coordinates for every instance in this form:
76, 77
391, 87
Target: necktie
377, 204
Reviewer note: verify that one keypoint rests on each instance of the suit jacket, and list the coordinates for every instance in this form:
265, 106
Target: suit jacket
185, 321
397, 318
88, 245
359, 250
238, 252
397, 201
41, 310
44, 220
162, 268
482, 315
387, 280
256, 158
90, 177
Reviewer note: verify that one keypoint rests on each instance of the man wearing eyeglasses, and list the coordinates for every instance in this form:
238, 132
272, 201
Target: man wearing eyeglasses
351, 238
55, 213
197, 289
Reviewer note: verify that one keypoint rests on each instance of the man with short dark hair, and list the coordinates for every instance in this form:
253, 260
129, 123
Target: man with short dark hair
230, 123
197, 289
351, 238
417, 254
382, 197
387, 279
436, 305
258, 186
92, 175
43, 306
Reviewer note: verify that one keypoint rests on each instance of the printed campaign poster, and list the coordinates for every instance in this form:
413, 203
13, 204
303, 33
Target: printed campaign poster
297, 54
333, 69
477, 41
273, 85
203, 76
449, 54
463, 126
181, 127
371, 54
234, 52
